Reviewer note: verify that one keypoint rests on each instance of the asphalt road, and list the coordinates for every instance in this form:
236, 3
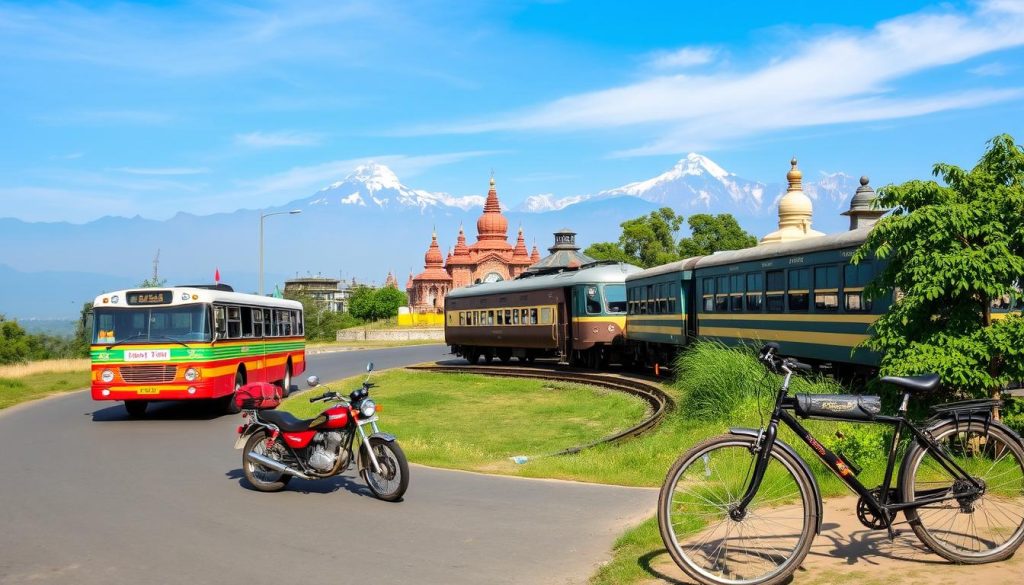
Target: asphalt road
89, 496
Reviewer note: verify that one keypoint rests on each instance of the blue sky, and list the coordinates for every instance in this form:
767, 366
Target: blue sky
151, 109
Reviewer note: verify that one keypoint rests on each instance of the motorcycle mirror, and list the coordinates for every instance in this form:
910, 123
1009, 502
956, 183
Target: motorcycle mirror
313, 381
369, 367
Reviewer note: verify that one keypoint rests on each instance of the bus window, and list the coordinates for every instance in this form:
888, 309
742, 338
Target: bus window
257, 323
234, 322
266, 322
615, 297
246, 322
300, 322
221, 322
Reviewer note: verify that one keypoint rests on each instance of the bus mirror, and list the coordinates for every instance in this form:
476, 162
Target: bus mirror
369, 367
313, 381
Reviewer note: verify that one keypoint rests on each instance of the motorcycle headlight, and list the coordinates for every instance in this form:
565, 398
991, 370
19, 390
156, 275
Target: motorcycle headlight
107, 376
191, 374
367, 408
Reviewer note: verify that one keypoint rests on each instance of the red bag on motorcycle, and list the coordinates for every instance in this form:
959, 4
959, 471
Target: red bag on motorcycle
258, 396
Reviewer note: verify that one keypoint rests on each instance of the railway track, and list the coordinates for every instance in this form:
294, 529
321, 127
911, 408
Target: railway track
650, 392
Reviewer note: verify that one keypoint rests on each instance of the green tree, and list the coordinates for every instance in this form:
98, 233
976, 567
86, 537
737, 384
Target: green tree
322, 324
153, 283
609, 251
651, 239
16, 345
360, 302
714, 233
951, 250
83, 330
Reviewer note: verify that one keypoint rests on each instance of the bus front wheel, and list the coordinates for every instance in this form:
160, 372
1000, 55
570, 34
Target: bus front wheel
230, 406
136, 408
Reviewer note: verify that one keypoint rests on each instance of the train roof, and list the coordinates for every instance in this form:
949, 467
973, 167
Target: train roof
601, 273
836, 241
196, 295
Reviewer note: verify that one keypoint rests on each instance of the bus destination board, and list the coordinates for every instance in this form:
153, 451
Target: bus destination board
150, 297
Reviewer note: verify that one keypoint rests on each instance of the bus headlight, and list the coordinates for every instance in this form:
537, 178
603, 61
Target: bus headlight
191, 374
107, 376
367, 408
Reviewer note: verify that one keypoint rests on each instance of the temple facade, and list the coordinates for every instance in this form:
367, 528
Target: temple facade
491, 258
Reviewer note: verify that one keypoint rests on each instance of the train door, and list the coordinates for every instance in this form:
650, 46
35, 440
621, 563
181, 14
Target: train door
562, 331
689, 300
573, 308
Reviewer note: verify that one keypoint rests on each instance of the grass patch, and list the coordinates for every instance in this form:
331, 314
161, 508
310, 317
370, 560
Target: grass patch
22, 389
473, 422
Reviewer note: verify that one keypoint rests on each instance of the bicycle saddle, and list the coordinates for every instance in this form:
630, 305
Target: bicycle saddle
922, 383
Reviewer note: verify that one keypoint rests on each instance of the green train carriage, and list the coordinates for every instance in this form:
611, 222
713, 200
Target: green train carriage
805, 294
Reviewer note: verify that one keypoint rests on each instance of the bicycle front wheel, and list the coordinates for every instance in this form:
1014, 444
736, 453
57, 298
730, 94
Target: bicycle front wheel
974, 527
766, 544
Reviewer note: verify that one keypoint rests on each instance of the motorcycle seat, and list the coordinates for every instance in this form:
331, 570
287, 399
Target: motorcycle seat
924, 383
285, 421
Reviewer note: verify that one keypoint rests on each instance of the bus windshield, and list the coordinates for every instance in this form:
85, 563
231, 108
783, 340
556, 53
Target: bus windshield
151, 324
615, 297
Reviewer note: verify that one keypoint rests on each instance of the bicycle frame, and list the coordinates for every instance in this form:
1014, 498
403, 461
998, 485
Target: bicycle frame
881, 507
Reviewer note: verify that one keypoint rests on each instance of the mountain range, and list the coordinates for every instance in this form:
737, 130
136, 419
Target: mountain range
362, 226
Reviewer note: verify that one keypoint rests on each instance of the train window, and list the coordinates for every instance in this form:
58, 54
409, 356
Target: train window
709, 286
673, 290
508, 316
722, 302
593, 300
775, 303
462, 318
500, 320
709, 303
776, 280
826, 277
827, 302
533, 316
490, 317
856, 303
754, 302
515, 316
736, 302
799, 289
858, 274
545, 315
615, 298
775, 297
736, 283
662, 299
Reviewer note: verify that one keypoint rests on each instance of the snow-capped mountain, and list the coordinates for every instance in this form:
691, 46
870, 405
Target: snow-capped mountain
375, 185
832, 189
696, 182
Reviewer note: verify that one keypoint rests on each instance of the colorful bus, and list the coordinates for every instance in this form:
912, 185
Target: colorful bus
192, 342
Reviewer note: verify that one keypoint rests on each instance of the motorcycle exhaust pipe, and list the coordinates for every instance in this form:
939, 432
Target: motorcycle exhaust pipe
275, 465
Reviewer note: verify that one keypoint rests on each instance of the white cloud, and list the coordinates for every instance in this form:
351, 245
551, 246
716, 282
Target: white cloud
838, 77
682, 58
990, 70
163, 171
278, 139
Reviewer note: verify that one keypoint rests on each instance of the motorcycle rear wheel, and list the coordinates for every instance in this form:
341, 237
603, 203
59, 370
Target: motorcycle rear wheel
259, 477
391, 483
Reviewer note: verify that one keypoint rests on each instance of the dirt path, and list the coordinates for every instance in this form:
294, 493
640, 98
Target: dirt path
847, 553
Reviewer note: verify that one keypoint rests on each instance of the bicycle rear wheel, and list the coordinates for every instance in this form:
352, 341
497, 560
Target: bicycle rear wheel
972, 529
766, 544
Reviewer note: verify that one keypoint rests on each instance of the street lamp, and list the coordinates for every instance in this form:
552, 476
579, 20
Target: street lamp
262, 217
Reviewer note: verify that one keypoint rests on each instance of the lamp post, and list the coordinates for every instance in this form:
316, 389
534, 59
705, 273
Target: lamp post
262, 217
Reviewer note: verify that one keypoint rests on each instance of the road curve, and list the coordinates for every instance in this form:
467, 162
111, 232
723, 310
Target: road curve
88, 496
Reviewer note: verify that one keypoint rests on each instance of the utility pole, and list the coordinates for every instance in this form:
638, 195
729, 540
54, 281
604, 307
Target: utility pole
156, 268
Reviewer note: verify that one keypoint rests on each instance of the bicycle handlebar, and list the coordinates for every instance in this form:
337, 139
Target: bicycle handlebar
769, 354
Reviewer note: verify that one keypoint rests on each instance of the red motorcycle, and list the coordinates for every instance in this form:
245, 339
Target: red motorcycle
277, 446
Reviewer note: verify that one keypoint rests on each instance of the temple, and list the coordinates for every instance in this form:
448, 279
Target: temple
795, 211
491, 258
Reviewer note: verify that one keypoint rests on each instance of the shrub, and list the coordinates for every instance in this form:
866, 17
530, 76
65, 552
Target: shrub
717, 381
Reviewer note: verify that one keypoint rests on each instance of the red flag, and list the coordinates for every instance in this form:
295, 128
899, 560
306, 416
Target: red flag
216, 276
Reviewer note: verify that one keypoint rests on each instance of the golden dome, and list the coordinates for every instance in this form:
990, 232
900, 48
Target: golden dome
795, 211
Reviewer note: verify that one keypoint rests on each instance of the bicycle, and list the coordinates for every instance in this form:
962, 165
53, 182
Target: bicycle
744, 507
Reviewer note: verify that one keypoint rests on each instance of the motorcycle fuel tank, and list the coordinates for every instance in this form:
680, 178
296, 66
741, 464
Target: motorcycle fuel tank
337, 418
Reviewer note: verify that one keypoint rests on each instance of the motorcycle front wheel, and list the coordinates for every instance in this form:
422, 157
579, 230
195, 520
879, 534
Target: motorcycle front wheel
262, 478
390, 484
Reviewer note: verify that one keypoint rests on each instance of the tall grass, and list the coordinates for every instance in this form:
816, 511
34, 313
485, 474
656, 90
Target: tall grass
716, 381
59, 366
